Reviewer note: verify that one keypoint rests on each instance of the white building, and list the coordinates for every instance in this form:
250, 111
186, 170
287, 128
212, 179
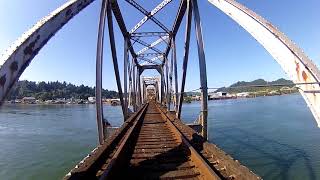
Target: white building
92, 99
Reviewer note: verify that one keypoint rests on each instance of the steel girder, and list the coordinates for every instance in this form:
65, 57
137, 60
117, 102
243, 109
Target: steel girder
148, 60
18, 57
148, 34
151, 46
114, 58
118, 16
147, 45
99, 62
149, 15
177, 22
290, 57
202, 70
186, 56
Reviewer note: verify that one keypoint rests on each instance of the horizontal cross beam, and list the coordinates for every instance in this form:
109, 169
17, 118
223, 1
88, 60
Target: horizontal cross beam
163, 38
148, 34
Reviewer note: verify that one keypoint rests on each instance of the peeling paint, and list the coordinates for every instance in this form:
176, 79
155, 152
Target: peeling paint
19, 55
290, 57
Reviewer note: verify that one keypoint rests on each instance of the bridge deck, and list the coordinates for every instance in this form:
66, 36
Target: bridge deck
153, 144
158, 152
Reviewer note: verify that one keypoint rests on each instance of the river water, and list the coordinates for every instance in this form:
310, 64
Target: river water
276, 136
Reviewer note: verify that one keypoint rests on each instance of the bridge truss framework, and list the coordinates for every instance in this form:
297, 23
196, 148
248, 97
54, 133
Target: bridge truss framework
294, 62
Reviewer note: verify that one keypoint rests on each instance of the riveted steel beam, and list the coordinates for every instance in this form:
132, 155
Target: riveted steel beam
148, 34
114, 58
174, 57
149, 15
147, 45
156, 67
151, 46
186, 56
290, 57
125, 76
148, 60
18, 57
177, 22
202, 70
118, 16
99, 62
149, 54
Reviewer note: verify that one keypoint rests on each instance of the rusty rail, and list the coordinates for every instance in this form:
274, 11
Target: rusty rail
153, 144
223, 164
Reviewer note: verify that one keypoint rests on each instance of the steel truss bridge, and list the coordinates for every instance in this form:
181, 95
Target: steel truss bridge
153, 142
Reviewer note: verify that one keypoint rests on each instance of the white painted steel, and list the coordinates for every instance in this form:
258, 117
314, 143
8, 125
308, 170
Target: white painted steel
18, 56
292, 60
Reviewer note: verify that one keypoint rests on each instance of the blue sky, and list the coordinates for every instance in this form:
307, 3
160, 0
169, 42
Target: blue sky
231, 53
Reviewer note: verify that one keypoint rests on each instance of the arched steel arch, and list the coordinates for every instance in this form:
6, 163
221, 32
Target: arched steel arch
292, 60
17, 58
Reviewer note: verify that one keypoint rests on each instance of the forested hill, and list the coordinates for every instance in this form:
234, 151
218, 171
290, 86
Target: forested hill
54, 90
243, 86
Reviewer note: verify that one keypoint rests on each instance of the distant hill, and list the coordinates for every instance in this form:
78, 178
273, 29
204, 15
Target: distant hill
244, 86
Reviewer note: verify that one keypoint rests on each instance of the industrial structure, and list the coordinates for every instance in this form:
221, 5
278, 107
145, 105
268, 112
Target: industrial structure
153, 142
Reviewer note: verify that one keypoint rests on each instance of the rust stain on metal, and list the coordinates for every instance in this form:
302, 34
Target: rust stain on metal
298, 70
69, 11
14, 66
3, 80
304, 76
29, 50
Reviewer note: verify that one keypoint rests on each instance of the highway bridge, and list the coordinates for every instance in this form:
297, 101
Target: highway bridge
153, 142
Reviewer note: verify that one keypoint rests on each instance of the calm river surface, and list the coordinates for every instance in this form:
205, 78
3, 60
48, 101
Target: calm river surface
276, 137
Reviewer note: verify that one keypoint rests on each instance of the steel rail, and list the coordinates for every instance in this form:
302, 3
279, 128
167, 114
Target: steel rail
90, 167
122, 149
219, 161
206, 171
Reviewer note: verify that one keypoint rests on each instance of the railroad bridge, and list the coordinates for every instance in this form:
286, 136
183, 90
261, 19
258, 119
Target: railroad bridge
153, 141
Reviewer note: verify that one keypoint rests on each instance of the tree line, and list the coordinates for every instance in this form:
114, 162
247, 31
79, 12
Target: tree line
54, 90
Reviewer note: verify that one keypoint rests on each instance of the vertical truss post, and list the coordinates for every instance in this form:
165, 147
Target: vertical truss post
114, 57
186, 56
167, 83
162, 87
125, 77
134, 94
144, 96
170, 83
174, 57
203, 70
157, 91
99, 61
139, 86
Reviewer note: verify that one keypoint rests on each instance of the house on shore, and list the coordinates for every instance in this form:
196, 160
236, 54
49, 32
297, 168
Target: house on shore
28, 100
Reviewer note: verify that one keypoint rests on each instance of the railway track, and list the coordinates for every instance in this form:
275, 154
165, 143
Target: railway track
152, 145
160, 152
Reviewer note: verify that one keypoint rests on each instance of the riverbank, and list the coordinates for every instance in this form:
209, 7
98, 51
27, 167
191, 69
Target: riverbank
275, 136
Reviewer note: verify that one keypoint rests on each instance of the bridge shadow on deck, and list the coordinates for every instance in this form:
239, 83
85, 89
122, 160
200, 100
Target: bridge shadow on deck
269, 154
